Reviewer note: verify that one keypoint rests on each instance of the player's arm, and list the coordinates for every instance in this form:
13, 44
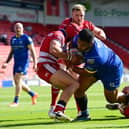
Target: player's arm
10, 55
83, 71
33, 54
99, 33
56, 49
72, 56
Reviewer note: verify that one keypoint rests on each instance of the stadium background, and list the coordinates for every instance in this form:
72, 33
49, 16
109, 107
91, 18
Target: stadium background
39, 17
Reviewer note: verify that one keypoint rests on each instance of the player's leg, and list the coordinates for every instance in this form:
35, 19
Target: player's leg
118, 100
33, 95
81, 97
111, 86
113, 106
111, 82
55, 91
67, 83
62, 80
54, 96
18, 88
115, 97
69, 86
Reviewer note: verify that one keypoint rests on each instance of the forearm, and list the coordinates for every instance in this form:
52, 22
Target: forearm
99, 33
78, 70
33, 54
82, 71
102, 35
9, 57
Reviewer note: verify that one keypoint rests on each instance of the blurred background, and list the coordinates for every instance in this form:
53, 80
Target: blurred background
39, 17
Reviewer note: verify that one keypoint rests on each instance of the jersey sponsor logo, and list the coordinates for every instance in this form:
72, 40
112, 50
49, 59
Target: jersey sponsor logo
46, 74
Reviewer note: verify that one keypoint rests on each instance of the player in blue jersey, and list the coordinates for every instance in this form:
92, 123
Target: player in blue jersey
101, 63
21, 45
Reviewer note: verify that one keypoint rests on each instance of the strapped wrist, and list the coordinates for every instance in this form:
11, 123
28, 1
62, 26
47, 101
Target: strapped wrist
69, 57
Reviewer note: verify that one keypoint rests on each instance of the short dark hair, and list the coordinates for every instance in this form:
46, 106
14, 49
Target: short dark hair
86, 35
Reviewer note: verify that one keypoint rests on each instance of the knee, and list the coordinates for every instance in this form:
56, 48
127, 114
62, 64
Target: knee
111, 99
80, 93
76, 85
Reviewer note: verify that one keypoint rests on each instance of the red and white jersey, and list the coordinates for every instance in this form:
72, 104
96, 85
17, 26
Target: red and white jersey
45, 56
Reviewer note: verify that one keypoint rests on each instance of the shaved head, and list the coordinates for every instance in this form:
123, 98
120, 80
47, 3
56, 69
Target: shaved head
18, 27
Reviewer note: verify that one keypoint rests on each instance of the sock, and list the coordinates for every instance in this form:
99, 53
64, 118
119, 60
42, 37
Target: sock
60, 106
82, 103
54, 95
16, 99
31, 93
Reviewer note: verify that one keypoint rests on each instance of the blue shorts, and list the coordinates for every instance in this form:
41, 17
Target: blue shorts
112, 79
21, 68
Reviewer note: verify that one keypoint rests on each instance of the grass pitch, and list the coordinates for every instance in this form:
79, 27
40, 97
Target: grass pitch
27, 116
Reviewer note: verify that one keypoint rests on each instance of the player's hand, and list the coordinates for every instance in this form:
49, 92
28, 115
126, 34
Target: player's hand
35, 67
4, 66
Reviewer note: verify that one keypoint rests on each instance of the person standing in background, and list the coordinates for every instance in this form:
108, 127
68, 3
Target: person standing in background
21, 45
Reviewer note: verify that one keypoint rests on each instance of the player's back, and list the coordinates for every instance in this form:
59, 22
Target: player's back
101, 58
106, 54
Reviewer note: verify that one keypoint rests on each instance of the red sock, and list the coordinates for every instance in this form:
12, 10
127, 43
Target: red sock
54, 94
59, 107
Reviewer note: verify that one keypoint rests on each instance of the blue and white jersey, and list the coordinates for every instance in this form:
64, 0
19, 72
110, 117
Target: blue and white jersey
101, 58
20, 49
21, 53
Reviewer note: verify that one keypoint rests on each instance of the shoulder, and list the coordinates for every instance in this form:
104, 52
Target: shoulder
67, 20
26, 36
89, 25
87, 22
57, 35
13, 37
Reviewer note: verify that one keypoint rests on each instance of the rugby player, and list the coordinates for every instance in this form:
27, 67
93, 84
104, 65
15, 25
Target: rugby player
21, 44
48, 69
74, 24
101, 63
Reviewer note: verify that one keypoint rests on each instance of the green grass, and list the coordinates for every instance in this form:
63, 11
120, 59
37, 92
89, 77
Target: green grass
27, 116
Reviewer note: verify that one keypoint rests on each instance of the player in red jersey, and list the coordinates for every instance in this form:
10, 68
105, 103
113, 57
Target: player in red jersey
78, 17
74, 24
49, 70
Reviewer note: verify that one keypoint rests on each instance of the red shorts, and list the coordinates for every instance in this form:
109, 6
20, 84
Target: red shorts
45, 71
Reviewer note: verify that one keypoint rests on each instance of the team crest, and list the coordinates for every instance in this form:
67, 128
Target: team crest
90, 61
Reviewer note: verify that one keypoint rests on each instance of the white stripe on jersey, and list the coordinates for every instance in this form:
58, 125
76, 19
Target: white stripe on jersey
50, 68
43, 60
45, 54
